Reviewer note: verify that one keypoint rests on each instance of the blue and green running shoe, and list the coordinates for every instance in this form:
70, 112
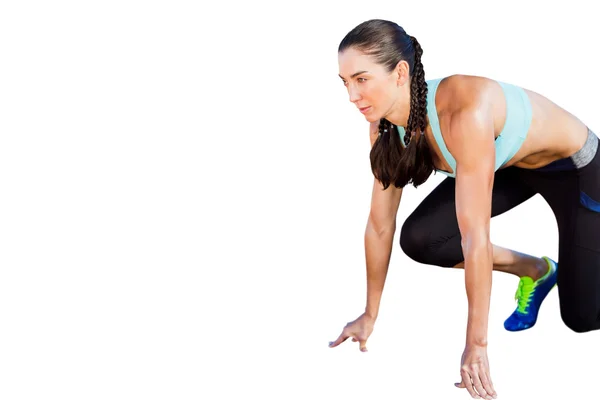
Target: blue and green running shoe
529, 298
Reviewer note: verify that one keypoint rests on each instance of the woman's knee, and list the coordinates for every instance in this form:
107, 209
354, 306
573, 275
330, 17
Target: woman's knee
413, 241
580, 322
420, 242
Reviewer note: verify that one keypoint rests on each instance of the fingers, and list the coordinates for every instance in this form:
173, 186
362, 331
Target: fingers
466, 383
483, 383
355, 338
362, 342
477, 383
488, 385
342, 338
479, 387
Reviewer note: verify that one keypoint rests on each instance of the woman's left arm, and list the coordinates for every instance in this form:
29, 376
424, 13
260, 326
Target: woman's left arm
472, 144
475, 159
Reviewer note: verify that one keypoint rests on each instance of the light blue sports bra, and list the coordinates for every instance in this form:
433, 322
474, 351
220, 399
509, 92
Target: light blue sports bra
514, 132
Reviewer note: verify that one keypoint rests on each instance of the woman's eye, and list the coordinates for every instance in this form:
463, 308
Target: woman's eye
362, 79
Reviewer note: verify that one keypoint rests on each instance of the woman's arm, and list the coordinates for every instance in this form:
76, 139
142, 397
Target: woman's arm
472, 144
379, 236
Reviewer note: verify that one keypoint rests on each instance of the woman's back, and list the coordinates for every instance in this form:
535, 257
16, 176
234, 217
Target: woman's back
553, 132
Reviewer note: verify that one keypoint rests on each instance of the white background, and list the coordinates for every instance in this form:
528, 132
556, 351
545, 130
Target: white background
184, 189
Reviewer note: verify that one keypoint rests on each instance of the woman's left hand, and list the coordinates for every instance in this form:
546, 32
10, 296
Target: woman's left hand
475, 373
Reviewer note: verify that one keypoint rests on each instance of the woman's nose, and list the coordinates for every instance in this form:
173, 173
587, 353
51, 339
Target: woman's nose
354, 94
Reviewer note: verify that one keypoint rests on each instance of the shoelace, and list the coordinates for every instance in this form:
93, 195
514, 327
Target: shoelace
524, 295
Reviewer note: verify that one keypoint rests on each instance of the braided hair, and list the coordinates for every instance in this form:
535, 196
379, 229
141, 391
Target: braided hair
389, 44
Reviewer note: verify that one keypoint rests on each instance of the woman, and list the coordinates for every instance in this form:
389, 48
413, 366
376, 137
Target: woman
500, 145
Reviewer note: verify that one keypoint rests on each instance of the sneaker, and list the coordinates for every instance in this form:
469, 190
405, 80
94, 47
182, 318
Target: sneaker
529, 298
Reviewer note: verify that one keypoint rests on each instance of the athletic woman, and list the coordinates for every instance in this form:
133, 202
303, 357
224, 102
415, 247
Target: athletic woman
500, 145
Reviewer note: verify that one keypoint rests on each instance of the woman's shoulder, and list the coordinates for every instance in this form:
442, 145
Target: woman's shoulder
464, 103
458, 92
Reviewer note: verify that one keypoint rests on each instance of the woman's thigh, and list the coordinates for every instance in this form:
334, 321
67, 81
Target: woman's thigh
574, 198
430, 235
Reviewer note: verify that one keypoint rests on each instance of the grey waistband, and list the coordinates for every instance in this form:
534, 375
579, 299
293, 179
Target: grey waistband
586, 154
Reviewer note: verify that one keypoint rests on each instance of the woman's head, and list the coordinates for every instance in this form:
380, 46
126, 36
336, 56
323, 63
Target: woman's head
381, 67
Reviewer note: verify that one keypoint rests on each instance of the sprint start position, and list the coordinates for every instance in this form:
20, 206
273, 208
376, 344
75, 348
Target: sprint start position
500, 145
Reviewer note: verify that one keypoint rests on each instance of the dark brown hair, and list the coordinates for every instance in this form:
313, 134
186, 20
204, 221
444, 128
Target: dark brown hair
388, 44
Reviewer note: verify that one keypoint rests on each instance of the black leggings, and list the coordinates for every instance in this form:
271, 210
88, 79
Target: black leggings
430, 235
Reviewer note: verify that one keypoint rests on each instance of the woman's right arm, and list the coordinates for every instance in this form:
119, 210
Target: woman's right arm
379, 236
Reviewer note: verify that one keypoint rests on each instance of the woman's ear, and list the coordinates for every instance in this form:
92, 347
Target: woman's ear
402, 72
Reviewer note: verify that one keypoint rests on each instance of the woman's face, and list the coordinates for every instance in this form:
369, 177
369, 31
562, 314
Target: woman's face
371, 88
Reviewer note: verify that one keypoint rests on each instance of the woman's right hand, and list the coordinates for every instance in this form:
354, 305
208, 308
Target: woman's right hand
359, 330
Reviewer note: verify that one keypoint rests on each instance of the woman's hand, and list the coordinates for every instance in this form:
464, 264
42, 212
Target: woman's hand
475, 373
359, 330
